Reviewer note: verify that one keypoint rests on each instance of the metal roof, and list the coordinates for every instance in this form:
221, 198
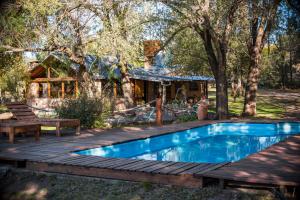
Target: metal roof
159, 74
107, 69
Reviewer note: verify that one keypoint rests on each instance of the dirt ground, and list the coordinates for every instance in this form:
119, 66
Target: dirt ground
17, 184
288, 99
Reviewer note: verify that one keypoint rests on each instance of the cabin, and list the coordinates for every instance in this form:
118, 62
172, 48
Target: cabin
52, 80
55, 78
147, 80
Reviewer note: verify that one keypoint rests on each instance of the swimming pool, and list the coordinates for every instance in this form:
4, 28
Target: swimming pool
214, 143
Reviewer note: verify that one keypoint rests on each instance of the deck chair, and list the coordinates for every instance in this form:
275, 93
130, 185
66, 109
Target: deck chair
22, 112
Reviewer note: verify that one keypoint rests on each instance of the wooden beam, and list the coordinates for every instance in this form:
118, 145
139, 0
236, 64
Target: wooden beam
41, 80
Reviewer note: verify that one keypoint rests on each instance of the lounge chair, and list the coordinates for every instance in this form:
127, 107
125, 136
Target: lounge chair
12, 127
22, 112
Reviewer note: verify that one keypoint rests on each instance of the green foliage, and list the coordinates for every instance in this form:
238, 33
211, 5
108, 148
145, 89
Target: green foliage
87, 110
38, 8
188, 51
3, 109
187, 117
14, 76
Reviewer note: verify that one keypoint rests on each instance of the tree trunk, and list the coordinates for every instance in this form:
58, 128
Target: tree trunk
126, 85
221, 94
127, 90
217, 63
252, 84
260, 28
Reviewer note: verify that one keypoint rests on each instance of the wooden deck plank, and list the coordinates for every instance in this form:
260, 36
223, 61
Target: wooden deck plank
114, 165
107, 163
197, 168
57, 159
140, 165
158, 166
212, 167
76, 160
130, 165
168, 169
90, 162
184, 168
84, 161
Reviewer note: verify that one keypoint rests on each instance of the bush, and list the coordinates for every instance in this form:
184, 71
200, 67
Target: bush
88, 110
187, 117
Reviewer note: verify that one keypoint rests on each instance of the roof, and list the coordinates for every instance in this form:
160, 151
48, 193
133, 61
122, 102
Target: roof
107, 69
159, 74
155, 74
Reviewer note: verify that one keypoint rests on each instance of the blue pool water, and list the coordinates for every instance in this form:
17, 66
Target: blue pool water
222, 142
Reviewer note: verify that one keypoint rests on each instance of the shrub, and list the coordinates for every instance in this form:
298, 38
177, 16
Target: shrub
88, 110
187, 117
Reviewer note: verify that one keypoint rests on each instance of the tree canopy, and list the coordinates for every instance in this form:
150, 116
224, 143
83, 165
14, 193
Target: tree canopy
255, 43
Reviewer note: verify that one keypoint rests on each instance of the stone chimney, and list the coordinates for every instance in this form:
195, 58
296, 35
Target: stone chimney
151, 48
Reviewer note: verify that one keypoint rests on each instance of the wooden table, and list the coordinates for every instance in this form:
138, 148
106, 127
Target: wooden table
13, 127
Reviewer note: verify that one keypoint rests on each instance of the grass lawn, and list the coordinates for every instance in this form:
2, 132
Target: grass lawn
266, 108
268, 105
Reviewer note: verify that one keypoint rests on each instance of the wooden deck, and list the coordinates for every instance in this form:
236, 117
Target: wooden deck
276, 166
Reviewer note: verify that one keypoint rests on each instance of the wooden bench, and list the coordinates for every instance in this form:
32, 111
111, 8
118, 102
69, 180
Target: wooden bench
22, 112
14, 127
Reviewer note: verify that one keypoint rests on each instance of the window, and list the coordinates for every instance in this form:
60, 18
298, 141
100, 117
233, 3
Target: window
193, 86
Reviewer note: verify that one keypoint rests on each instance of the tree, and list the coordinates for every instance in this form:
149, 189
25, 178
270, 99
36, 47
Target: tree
75, 27
120, 38
261, 19
213, 22
13, 76
187, 50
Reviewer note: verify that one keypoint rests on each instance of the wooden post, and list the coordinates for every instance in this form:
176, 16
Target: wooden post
164, 95
62, 90
76, 88
49, 89
159, 110
48, 72
11, 134
206, 89
48, 83
115, 89
37, 133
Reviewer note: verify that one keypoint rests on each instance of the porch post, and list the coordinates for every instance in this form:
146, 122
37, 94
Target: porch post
62, 90
49, 89
76, 88
159, 109
164, 92
206, 89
